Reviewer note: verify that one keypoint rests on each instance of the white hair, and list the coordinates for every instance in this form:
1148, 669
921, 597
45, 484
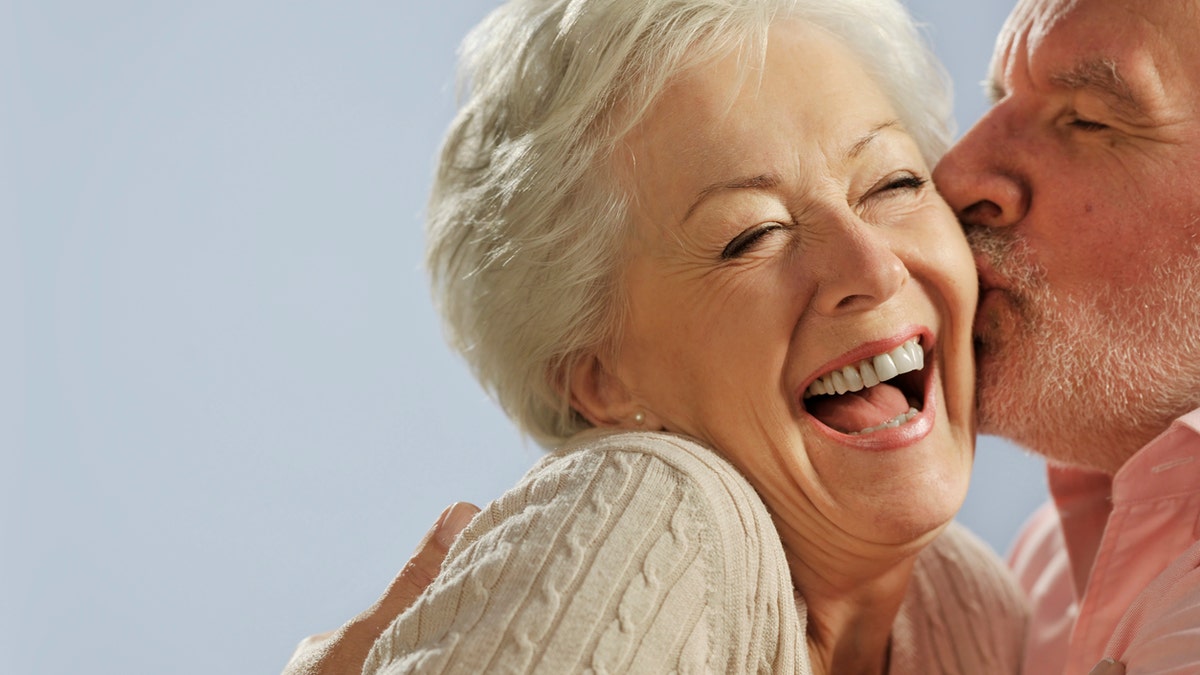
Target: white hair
527, 219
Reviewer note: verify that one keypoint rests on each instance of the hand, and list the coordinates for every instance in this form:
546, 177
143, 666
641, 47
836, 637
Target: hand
344, 650
1109, 666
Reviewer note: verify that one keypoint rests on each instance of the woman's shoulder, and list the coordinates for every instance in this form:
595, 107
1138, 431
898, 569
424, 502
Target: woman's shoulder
636, 552
658, 477
673, 461
964, 611
960, 559
637, 472
685, 456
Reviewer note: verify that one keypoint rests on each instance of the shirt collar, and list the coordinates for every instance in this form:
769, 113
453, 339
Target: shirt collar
1166, 467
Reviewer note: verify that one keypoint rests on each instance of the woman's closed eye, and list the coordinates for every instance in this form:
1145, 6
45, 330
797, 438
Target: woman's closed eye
747, 239
900, 184
892, 196
904, 181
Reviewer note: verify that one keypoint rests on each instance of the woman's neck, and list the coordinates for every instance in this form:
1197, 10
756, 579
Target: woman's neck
849, 630
852, 600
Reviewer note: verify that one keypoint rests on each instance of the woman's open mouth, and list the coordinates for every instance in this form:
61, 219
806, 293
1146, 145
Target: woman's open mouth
882, 391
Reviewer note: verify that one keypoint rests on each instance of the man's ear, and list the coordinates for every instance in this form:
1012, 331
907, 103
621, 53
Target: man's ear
599, 395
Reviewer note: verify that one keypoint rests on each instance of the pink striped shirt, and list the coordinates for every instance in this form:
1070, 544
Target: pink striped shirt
1112, 566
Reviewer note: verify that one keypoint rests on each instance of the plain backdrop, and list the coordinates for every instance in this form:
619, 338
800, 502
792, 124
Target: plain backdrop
226, 410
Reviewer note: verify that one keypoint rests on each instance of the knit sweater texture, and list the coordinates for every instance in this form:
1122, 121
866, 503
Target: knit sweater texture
649, 553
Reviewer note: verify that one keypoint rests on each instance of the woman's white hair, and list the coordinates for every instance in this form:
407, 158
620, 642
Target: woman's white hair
527, 219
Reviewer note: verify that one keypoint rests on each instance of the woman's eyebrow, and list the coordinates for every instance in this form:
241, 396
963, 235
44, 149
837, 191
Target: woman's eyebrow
861, 144
769, 181
759, 182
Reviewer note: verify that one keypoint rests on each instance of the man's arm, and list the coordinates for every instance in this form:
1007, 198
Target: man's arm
344, 650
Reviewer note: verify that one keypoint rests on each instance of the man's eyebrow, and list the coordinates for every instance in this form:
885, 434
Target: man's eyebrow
993, 90
769, 181
1102, 77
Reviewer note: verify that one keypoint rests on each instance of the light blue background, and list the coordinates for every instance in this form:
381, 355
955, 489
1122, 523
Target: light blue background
226, 411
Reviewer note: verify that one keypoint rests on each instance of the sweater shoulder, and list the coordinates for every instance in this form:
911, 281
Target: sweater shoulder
619, 552
676, 463
964, 611
963, 562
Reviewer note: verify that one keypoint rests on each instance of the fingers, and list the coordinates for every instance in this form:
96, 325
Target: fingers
1109, 666
426, 561
345, 650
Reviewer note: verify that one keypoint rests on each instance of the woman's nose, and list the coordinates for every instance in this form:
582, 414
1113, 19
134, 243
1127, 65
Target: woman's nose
860, 271
979, 177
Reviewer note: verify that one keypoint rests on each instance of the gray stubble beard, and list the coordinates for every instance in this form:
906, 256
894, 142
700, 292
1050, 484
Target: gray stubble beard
1087, 381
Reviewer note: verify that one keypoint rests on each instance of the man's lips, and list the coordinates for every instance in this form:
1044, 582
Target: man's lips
989, 277
993, 294
990, 302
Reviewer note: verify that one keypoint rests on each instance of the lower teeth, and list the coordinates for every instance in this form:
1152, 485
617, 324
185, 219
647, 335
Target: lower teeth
896, 421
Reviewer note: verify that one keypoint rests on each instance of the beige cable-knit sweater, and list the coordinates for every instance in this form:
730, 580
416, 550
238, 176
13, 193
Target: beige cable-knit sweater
648, 553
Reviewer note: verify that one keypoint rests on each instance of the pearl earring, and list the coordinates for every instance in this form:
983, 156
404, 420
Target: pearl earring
639, 418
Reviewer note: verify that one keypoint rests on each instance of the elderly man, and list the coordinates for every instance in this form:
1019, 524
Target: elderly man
1079, 193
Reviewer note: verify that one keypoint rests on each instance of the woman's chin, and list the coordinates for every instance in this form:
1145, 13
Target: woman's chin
913, 528
906, 495
923, 508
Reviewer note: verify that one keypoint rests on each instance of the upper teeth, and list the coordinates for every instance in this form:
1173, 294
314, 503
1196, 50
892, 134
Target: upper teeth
870, 372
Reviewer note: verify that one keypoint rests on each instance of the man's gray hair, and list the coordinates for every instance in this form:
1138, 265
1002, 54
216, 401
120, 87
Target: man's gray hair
527, 218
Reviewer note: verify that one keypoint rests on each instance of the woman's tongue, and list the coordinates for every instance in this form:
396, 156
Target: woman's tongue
855, 411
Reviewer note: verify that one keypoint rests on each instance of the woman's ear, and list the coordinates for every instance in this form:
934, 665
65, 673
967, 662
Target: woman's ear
601, 397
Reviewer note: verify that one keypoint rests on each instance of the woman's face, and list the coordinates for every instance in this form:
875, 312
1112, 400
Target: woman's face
785, 234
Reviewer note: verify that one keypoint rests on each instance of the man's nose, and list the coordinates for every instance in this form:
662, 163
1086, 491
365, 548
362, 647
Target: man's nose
980, 178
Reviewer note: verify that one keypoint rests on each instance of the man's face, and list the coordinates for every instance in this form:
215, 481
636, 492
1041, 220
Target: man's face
1080, 192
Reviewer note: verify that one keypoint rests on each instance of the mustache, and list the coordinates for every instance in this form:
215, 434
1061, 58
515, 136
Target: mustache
1007, 254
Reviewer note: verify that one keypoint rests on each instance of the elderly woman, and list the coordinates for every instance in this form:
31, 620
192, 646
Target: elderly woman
693, 245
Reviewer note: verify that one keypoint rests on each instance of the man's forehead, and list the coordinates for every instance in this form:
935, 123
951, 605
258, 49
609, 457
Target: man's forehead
1026, 22
1090, 43
1094, 24
1029, 22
